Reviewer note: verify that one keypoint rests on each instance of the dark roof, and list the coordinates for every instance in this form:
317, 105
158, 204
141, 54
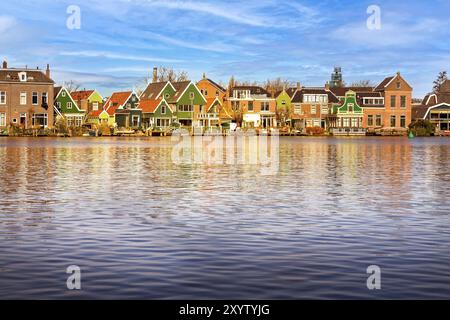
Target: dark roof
383, 84
33, 76
289, 91
218, 86
298, 96
153, 89
340, 91
361, 95
56, 91
180, 87
418, 112
253, 89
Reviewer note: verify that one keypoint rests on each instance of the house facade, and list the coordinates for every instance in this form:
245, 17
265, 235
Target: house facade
157, 114
124, 107
88, 100
284, 105
435, 107
347, 118
311, 107
252, 106
66, 107
26, 97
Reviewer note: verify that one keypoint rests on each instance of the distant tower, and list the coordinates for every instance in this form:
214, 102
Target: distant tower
336, 78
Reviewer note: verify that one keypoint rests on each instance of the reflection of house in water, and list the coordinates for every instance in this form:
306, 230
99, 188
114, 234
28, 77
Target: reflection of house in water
435, 107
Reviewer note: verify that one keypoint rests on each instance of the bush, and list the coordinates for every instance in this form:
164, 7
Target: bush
315, 130
422, 128
104, 130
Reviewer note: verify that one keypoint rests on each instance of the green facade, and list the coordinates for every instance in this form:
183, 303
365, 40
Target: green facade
63, 102
283, 101
350, 105
95, 97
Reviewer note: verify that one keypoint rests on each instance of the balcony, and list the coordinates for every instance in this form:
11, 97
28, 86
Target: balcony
206, 116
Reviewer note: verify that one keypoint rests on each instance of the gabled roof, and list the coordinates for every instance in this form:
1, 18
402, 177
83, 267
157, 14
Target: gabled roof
289, 91
154, 89
181, 88
215, 84
418, 112
211, 102
33, 76
81, 95
117, 100
96, 113
383, 84
151, 105
56, 91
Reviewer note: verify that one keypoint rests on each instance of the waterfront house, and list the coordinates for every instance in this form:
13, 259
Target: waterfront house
347, 118
435, 107
156, 114
88, 100
284, 104
252, 106
214, 113
184, 98
66, 107
97, 117
26, 97
123, 107
397, 95
311, 106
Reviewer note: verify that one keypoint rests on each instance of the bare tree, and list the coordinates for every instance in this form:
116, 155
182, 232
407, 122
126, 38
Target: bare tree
71, 85
169, 74
441, 78
140, 86
277, 84
363, 84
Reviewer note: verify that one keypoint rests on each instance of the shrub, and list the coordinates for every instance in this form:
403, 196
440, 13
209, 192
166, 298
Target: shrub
422, 128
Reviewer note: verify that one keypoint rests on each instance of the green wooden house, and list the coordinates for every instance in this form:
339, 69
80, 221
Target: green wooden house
66, 107
347, 118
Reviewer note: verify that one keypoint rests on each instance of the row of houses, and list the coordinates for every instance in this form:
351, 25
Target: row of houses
29, 98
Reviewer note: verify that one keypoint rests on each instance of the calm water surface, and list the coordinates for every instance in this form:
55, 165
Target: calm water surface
141, 226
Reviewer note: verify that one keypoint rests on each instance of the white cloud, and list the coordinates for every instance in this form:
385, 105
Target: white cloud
118, 56
6, 23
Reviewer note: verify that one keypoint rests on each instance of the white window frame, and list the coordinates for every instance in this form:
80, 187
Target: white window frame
2, 119
23, 98
69, 105
2, 97
163, 109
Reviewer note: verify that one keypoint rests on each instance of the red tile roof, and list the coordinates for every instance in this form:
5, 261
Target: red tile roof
149, 105
95, 113
81, 95
116, 100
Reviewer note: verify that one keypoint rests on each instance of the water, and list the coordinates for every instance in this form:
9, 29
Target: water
141, 226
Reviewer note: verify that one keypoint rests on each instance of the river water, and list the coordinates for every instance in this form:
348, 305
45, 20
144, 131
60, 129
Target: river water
141, 225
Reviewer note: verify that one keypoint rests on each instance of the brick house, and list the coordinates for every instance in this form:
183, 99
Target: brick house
26, 97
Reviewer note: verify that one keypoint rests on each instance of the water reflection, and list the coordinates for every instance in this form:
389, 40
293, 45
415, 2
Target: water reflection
144, 226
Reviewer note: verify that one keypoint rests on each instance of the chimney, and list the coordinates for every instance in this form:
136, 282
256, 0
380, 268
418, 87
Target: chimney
5, 64
47, 71
155, 75
204, 76
327, 86
299, 86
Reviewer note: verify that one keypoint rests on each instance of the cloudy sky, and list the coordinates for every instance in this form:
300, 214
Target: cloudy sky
119, 41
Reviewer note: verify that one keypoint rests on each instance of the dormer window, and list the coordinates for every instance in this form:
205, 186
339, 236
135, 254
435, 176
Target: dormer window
22, 76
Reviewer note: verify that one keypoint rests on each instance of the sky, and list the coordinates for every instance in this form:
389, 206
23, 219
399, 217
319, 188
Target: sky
118, 42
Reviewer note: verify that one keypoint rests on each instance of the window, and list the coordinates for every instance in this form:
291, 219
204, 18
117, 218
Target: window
167, 96
297, 109
2, 119
95, 106
399, 85
162, 122
346, 122
63, 94
324, 109
22, 76
128, 105
403, 121
69, 105
163, 109
135, 120
402, 101
34, 98
58, 105
265, 106
2, 97
350, 107
250, 106
40, 119
393, 121
206, 92
313, 109
378, 120
217, 93
44, 98
283, 102
23, 98
186, 108
354, 122
191, 95
393, 98
370, 120
235, 105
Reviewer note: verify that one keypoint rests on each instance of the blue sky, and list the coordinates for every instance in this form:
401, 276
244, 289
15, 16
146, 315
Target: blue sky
121, 40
